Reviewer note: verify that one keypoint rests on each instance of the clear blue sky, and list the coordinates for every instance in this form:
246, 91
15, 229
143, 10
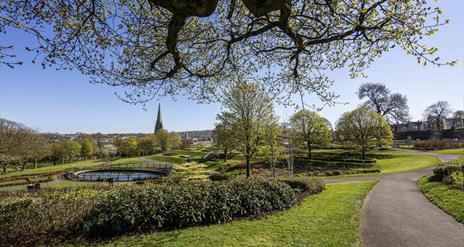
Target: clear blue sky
63, 101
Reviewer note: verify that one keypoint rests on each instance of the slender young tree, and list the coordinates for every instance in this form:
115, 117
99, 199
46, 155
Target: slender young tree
272, 149
223, 134
311, 129
250, 108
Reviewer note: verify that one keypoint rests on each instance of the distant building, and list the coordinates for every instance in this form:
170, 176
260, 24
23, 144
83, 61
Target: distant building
159, 121
447, 123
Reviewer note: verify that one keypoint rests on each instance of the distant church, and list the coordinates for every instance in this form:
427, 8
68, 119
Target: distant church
159, 121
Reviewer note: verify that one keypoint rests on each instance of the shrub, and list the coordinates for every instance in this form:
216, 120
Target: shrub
26, 220
443, 171
311, 185
137, 208
455, 180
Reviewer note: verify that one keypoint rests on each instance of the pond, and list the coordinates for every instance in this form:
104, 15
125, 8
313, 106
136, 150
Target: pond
118, 175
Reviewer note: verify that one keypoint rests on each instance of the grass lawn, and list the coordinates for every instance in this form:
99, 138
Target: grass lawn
51, 169
327, 219
55, 169
405, 162
54, 185
450, 200
450, 151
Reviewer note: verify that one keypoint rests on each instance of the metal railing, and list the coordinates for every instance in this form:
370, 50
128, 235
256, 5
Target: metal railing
153, 170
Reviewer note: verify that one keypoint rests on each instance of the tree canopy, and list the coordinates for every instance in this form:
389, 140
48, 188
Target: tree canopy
250, 111
310, 128
393, 106
435, 113
364, 128
165, 47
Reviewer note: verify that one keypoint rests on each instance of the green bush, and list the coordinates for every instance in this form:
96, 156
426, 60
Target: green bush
27, 220
311, 185
443, 171
137, 208
455, 180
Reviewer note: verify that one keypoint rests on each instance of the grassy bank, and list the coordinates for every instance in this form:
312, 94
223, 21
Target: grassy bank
405, 162
327, 219
450, 200
450, 151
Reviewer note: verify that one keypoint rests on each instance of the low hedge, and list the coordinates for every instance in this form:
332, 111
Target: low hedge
129, 209
310, 185
438, 144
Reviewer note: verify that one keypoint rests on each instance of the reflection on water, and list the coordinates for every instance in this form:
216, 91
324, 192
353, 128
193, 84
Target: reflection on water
118, 175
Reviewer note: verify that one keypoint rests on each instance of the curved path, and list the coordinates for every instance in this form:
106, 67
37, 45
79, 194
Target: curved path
396, 213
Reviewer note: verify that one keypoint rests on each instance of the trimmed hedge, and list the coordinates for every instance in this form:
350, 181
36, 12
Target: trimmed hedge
310, 185
129, 209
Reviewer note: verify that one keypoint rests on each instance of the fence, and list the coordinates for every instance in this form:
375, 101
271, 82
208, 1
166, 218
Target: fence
141, 171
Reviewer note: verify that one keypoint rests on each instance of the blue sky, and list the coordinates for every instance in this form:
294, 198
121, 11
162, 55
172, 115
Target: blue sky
64, 101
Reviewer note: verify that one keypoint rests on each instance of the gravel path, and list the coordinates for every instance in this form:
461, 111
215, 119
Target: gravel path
396, 213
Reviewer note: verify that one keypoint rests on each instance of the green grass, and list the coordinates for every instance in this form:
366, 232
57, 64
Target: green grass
406, 146
168, 159
450, 151
327, 219
403, 163
51, 169
55, 169
450, 200
54, 185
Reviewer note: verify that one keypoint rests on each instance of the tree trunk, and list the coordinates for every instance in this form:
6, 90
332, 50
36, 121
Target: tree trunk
35, 164
225, 155
4, 165
248, 168
309, 149
273, 169
363, 152
24, 165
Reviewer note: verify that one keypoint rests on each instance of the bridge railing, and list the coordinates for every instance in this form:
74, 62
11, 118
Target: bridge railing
163, 168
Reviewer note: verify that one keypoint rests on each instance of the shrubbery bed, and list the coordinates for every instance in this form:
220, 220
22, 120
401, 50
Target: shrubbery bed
438, 144
128, 209
451, 174
310, 185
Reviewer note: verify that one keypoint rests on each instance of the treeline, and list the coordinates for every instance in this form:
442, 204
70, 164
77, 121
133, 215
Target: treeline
20, 145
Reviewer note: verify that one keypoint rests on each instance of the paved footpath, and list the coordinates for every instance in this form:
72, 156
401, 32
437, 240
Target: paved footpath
396, 213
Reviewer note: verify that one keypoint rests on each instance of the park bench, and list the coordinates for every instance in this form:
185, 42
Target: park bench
33, 186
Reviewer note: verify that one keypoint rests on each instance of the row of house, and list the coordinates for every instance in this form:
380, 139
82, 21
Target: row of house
447, 123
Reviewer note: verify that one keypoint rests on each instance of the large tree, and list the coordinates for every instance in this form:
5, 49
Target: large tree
458, 119
128, 146
364, 128
436, 113
14, 143
87, 148
148, 144
165, 46
249, 108
311, 129
393, 106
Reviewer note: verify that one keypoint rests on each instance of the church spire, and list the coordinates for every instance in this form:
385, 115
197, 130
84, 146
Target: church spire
159, 122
